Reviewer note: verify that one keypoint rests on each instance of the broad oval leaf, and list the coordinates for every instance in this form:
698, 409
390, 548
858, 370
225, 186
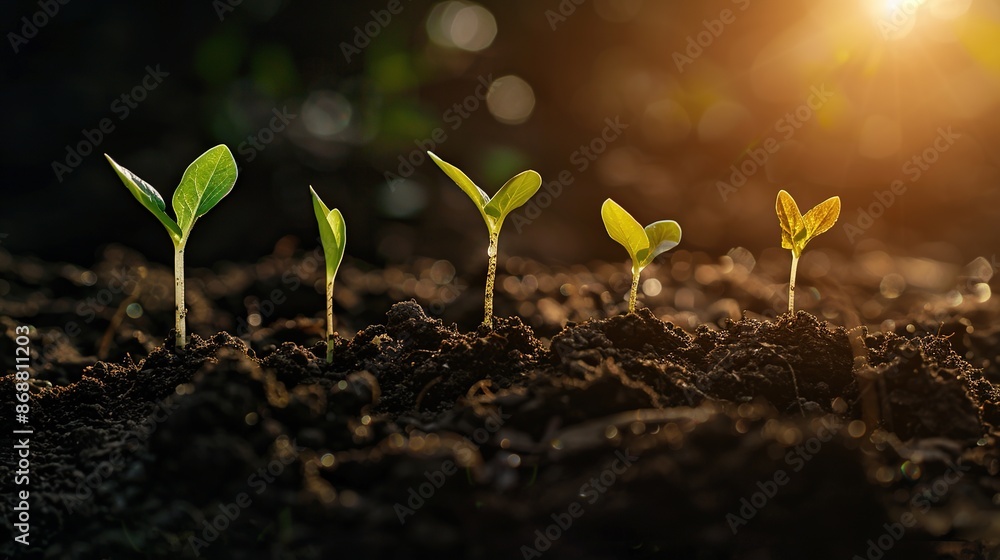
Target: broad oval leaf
515, 192
205, 182
790, 220
822, 217
332, 233
663, 236
462, 180
148, 196
624, 229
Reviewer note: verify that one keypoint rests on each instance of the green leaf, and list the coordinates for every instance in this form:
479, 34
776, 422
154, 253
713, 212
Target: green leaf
518, 190
148, 196
205, 182
663, 236
624, 229
462, 180
790, 220
332, 233
511, 196
798, 230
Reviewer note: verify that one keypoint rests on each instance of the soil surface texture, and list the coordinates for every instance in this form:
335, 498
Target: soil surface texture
705, 425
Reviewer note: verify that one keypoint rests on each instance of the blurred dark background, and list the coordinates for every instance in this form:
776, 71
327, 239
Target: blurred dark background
830, 97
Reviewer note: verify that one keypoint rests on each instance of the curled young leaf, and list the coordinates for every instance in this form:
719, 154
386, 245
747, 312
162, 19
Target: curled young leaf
332, 234
663, 236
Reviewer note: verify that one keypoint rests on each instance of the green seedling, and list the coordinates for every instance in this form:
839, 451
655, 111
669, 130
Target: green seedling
205, 182
511, 196
333, 235
798, 230
642, 243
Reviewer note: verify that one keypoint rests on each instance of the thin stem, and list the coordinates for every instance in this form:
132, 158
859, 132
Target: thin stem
330, 341
491, 274
791, 284
634, 294
180, 310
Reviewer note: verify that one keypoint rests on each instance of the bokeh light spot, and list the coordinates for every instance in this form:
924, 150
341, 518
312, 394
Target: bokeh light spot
402, 199
511, 100
326, 114
473, 28
462, 25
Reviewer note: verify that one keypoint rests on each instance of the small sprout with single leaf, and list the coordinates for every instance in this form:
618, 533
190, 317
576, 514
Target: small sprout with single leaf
798, 230
205, 182
642, 244
333, 235
517, 191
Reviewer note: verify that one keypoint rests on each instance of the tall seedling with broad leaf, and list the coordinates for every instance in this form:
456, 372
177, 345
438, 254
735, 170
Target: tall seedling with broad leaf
797, 230
333, 235
205, 182
511, 196
642, 243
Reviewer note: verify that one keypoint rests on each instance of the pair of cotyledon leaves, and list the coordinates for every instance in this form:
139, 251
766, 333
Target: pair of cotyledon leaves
208, 180
642, 243
515, 192
205, 182
796, 229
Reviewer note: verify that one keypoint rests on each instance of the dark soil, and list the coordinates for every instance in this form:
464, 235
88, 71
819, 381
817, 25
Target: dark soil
751, 438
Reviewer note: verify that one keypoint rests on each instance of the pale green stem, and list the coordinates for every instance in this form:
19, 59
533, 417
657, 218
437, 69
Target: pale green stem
491, 274
791, 284
180, 309
330, 336
634, 293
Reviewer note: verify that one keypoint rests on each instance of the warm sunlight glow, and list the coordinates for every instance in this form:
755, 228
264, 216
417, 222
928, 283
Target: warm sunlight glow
895, 19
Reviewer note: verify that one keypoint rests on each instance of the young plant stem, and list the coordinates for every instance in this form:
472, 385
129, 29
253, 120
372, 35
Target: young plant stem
634, 293
791, 284
491, 274
330, 342
181, 310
